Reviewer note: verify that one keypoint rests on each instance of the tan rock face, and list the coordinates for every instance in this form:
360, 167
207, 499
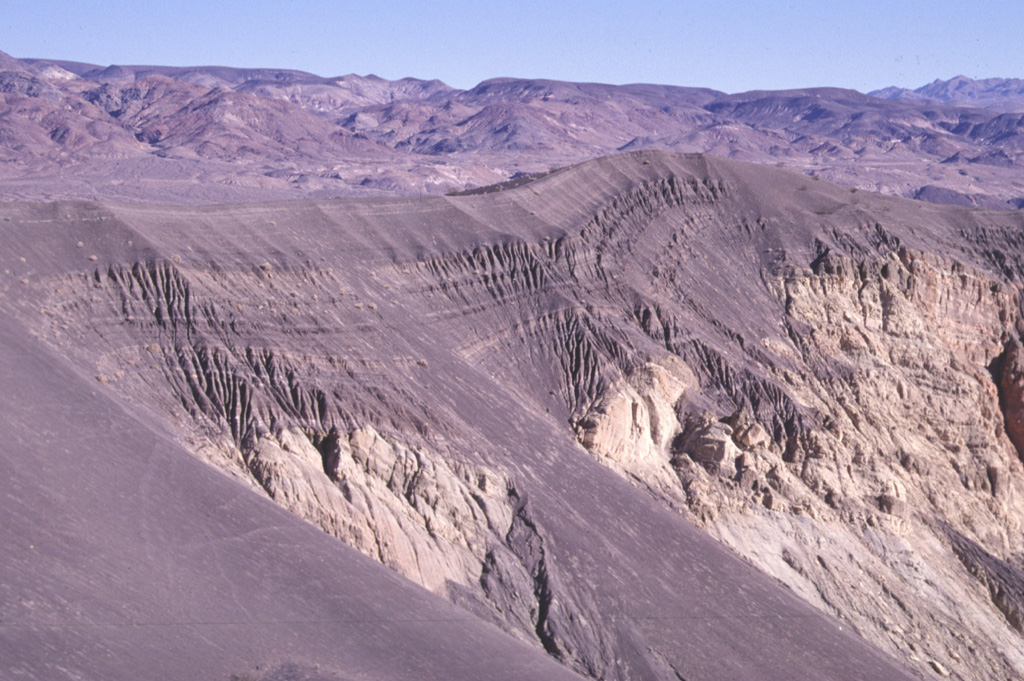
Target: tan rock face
639, 409
410, 510
913, 438
633, 425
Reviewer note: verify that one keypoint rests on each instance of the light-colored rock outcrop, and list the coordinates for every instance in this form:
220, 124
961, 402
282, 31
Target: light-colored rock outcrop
632, 427
410, 510
911, 367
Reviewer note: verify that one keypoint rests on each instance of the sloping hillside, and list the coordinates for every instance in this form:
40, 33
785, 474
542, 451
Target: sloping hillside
572, 408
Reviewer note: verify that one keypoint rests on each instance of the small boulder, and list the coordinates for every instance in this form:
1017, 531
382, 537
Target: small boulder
712, 447
752, 437
890, 504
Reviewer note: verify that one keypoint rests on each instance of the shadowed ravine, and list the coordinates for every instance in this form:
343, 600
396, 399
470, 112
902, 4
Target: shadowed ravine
654, 416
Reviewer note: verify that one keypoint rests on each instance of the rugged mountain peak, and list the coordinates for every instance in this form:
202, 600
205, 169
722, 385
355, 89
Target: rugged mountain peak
998, 94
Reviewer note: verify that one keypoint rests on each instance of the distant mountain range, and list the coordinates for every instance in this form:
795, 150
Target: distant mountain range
215, 134
997, 94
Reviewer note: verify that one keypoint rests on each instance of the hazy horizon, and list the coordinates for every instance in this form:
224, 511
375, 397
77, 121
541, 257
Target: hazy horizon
744, 46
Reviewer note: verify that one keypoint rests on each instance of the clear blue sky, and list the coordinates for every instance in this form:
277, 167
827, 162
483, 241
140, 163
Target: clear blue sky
730, 46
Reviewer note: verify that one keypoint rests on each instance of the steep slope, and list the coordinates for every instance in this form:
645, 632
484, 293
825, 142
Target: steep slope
759, 353
415, 377
842, 413
124, 557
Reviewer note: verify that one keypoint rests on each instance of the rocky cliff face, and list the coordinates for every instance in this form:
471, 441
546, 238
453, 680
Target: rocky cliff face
876, 508
524, 399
